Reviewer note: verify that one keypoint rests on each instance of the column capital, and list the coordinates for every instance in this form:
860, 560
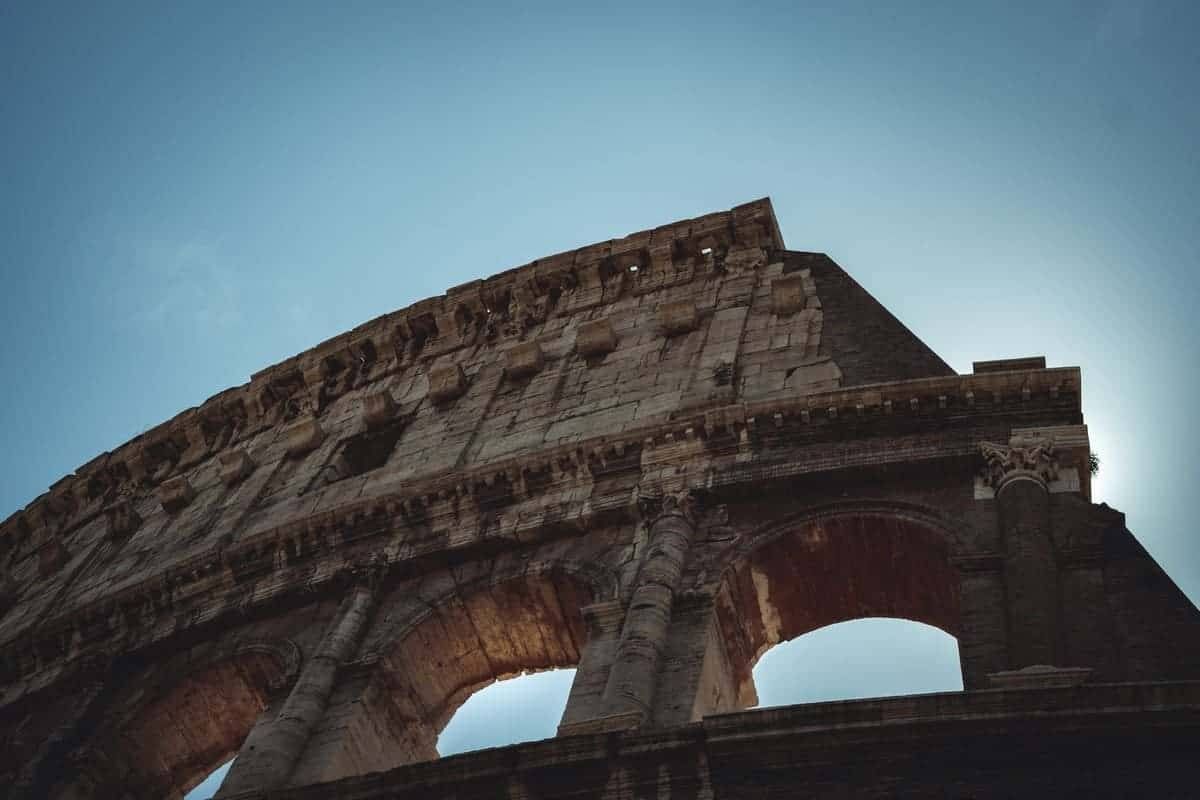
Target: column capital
1024, 458
656, 504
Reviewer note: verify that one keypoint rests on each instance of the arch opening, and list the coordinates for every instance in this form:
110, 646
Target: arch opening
175, 737
868, 657
831, 569
525, 708
468, 639
209, 786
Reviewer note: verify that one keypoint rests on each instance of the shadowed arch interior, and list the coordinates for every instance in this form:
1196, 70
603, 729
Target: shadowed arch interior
468, 639
832, 569
178, 737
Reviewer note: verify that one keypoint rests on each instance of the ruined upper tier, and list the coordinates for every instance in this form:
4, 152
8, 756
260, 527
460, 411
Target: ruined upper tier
593, 343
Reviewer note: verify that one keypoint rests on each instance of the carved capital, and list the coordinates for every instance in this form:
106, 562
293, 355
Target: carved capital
683, 503
1027, 459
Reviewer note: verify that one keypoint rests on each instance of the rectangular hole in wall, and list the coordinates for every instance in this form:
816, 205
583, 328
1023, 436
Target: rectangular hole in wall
364, 452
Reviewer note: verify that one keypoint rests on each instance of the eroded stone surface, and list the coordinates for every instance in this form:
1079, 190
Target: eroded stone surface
650, 458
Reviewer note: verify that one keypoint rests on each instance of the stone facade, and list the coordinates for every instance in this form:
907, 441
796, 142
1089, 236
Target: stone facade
650, 459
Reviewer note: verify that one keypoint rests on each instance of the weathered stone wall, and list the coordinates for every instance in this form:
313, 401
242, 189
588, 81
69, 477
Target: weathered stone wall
651, 459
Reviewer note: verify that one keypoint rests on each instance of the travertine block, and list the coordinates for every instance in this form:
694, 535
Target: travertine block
787, 295
176, 493
378, 408
303, 436
677, 317
52, 557
596, 338
234, 466
525, 359
446, 382
123, 520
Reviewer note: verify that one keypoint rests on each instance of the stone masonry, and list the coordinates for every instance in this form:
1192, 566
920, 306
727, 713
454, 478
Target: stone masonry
650, 459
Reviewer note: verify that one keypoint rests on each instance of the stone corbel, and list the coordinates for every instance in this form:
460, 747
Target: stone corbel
176, 493
234, 466
525, 359
678, 317
446, 383
378, 409
596, 338
304, 436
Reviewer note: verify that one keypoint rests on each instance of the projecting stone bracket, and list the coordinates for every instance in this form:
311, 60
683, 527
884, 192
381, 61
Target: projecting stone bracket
446, 383
304, 436
378, 409
235, 465
595, 338
525, 359
678, 317
176, 494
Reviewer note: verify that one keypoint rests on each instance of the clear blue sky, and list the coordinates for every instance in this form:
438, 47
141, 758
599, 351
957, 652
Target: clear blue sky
191, 192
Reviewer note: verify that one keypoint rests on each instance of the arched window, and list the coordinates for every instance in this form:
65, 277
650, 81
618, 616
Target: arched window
872, 657
831, 568
209, 786
439, 651
175, 731
522, 709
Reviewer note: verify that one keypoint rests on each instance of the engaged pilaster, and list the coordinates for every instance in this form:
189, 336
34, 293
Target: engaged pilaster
629, 694
270, 752
1020, 473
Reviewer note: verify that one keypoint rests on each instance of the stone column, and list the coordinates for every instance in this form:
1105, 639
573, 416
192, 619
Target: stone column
629, 694
1020, 474
269, 754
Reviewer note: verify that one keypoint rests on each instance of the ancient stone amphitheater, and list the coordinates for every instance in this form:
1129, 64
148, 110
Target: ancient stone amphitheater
650, 459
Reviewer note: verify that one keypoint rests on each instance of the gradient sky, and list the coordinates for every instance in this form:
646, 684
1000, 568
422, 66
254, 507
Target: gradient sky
189, 193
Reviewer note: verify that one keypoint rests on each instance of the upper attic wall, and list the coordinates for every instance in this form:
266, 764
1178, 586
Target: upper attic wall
611, 341
868, 343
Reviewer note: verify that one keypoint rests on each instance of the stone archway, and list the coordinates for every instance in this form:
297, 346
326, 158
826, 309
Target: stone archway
828, 566
174, 731
460, 641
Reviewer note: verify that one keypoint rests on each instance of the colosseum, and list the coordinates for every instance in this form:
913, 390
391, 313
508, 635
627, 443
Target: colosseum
649, 459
